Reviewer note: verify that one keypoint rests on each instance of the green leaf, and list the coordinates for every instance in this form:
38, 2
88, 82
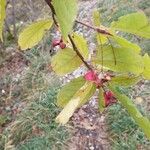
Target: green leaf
65, 61
67, 92
125, 80
101, 38
33, 34
119, 59
80, 97
66, 12
142, 121
81, 44
146, 72
125, 43
101, 100
96, 18
135, 23
2, 16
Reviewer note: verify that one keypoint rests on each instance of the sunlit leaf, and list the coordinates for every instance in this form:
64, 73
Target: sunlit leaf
146, 72
80, 97
135, 23
66, 12
142, 121
125, 43
65, 61
2, 16
125, 80
67, 91
101, 100
33, 34
81, 44
120, 59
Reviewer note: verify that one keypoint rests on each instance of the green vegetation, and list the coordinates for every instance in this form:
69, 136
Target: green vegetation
124, 132
34, 127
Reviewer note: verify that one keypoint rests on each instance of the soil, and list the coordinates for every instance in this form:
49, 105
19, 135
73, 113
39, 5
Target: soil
90, 128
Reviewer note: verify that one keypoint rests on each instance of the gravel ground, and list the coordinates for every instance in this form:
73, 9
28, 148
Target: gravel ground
90, 126
90, 129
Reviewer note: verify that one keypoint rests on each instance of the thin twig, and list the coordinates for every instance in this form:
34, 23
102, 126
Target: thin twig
53, 11
14, 20
97, 29
78, 53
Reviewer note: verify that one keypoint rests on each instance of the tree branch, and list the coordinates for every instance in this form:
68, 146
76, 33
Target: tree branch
99, 30
78, 53
14, 20
53, 11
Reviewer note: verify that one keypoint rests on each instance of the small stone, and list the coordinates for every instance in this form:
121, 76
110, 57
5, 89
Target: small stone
91, 148
3, 92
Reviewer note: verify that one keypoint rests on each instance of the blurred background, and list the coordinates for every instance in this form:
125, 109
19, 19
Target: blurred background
28, 87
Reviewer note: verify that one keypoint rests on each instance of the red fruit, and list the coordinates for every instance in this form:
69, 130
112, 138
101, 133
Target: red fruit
90, 76
62, 45
109, 98
55, 43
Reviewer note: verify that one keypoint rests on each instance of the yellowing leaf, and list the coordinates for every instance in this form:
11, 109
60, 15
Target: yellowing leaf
142, 121
146, 72
81, 44
66, 12
65, 61
120, 59
125, 43
67, 91
135, 23
2, 16
33, 34
68, 111
80, 97
125, 80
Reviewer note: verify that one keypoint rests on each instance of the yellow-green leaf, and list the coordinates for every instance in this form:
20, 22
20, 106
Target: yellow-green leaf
96, 18
33, 34
120, 59
142, 121
80, 97
65, 61
101, 38
146, 72
135, 23
101, 100
81, 44
68, 111
67, 91
2, 16
125, 80
66, 12
125, 43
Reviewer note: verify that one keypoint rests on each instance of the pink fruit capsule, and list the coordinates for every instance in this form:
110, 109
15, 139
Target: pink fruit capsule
90, 76
109, 98
62, 45
55, 43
